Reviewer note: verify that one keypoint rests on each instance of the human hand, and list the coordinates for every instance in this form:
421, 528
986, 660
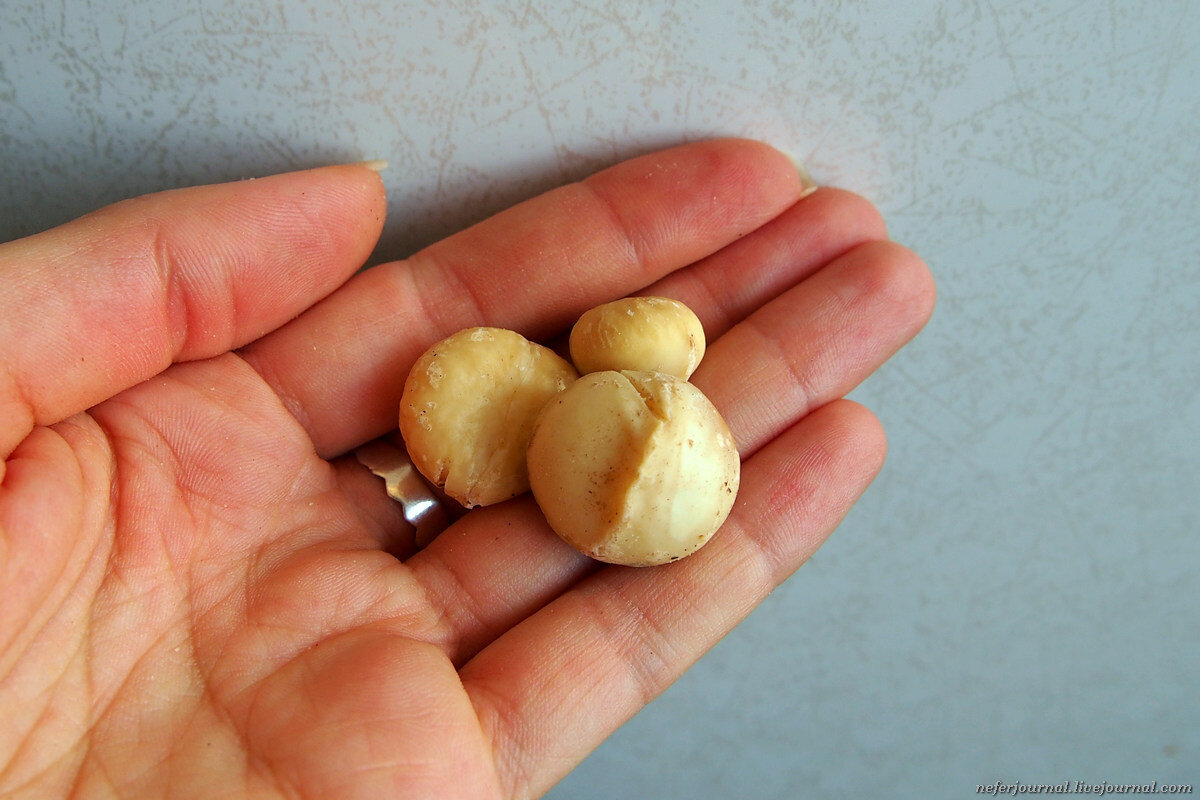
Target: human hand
204, 596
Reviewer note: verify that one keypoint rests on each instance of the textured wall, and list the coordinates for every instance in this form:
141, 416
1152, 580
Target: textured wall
1016, 597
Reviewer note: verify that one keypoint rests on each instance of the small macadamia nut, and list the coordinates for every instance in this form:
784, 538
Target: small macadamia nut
651, 334
634, 468
468, 410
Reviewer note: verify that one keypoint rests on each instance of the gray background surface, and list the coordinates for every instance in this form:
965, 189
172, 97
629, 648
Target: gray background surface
1016, 597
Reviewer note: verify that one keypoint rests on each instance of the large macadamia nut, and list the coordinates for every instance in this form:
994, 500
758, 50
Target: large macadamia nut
468, 410
634, 468
653, 334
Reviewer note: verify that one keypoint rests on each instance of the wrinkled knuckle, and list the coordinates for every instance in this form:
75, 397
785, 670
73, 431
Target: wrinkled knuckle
630, 237
165, 263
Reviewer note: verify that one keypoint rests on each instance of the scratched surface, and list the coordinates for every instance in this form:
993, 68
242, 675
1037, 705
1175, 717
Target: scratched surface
1016, 597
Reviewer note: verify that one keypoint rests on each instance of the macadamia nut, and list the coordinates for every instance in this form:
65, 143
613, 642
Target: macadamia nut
468, 410
634, 468
652, 334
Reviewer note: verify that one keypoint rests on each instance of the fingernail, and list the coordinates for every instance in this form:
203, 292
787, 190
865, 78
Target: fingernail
806, 179
377, 164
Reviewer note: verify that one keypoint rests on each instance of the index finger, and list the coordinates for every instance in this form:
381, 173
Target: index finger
534, 268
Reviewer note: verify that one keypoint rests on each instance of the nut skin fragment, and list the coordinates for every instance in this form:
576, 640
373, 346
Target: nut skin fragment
651, 334
468, 409
633, 468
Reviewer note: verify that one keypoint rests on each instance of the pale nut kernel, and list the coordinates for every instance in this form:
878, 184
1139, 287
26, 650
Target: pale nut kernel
651, 334
468, 410
633, 468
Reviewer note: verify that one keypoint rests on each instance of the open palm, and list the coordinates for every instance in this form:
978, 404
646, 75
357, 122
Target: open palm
203, 596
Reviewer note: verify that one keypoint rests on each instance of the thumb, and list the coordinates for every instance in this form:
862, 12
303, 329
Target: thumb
111, 299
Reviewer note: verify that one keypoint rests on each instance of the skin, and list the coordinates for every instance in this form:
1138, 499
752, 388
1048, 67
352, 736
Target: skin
204, 597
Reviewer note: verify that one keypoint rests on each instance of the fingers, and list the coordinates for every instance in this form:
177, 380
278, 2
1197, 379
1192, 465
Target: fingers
554, 687
111, 299
816, 342
626, 634
727, 286
533, 268
492, 569
811, 345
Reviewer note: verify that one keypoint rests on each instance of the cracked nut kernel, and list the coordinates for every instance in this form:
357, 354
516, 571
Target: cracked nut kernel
468, 410
634, 468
